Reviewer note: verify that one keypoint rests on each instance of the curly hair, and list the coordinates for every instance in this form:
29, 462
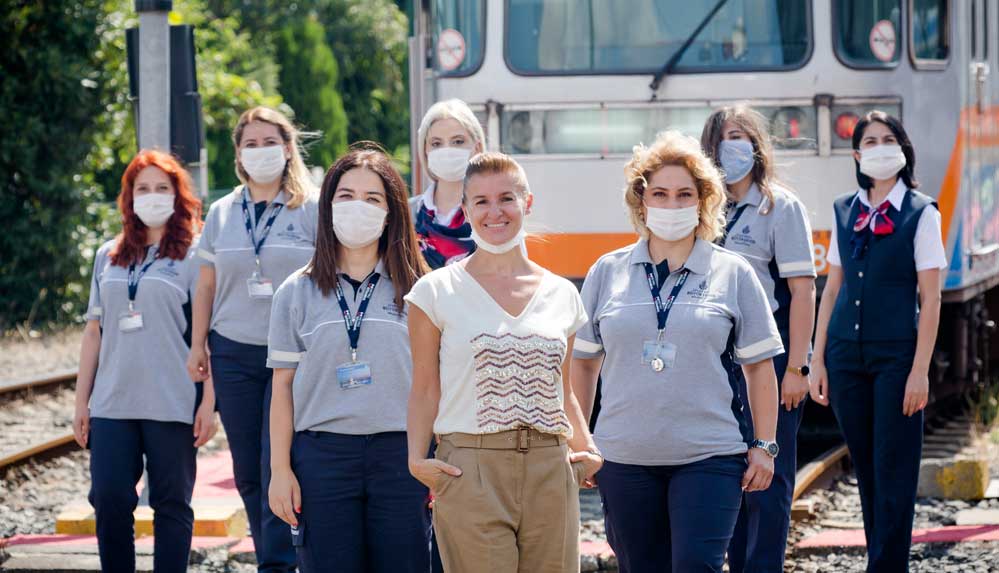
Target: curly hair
674, 148
181, 227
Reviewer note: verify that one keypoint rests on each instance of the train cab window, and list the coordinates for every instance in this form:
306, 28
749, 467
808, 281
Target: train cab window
459, 29
930, 37
588, 37
867, 33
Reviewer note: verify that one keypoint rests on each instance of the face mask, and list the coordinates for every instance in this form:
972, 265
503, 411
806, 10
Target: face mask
672, 224
485, 245
263, 164
153, 209
736, 158
358, 224
449, 163
882, 161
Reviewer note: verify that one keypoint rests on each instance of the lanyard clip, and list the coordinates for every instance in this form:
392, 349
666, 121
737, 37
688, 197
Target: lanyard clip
353, 355
659, 338
131, 305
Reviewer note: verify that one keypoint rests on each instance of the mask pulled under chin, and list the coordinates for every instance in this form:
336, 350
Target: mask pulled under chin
672, 224
485, 245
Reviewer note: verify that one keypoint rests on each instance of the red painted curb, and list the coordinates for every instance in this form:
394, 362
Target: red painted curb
950, 534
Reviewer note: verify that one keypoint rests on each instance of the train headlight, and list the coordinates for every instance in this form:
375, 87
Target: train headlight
845, 122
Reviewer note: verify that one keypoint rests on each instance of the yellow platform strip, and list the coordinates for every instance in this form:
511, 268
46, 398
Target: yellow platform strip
216, 520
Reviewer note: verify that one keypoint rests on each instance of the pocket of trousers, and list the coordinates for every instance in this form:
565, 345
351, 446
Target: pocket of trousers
578, 472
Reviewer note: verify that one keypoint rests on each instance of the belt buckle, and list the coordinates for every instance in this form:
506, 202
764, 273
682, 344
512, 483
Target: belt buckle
523, 439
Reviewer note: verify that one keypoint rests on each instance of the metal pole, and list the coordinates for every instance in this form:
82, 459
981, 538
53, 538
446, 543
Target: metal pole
154, 73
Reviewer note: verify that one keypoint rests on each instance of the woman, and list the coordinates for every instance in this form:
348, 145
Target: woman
338, 415
491, 337
448, 136
662, 313
767, 225
254, 238
133, 395
872, 346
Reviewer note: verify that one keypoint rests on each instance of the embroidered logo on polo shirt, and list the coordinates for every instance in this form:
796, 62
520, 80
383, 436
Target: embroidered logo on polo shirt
289, 233
742, 238
700, 291
393, 310
170, 269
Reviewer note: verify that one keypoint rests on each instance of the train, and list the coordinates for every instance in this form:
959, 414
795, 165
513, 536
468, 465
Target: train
569, 87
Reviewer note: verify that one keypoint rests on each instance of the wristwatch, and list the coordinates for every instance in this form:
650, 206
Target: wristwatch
801, 371
769, 448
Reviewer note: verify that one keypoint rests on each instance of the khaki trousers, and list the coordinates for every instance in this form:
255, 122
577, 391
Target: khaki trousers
512, 510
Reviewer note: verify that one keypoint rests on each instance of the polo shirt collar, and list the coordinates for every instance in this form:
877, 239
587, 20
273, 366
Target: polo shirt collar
379, 268
281, 198
895, 196
698, 261
753, 196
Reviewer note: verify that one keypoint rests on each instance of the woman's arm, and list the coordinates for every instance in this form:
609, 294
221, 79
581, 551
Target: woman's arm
819, 386
205, 424
284, 494
424, 397
917, 387
90, 351
581, 444
761, 385
584, 375
198, 367
794, 388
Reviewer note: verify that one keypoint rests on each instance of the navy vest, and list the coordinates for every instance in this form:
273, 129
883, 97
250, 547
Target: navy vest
878, 299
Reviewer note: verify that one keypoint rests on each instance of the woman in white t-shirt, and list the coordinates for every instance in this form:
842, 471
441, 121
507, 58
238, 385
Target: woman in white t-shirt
491, 337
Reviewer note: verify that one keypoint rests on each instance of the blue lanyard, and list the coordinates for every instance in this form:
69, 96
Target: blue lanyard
663, 308
735, 219
133, 278
354, 323
275, 209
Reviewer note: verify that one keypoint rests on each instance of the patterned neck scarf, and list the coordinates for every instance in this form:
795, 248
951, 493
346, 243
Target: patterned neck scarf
442, 245
862, 231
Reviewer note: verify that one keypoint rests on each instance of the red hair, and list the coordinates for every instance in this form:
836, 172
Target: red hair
181, 227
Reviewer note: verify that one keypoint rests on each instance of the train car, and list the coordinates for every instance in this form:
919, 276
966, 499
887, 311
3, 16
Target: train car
568, 87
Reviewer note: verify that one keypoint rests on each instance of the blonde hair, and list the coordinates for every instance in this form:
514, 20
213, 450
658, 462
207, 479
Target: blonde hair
755, 125
674, 148
449, 109
496, 163
296, 180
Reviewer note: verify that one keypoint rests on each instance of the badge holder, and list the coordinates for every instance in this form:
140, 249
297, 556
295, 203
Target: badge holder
258, 286
353, 374
658, 353
130, 320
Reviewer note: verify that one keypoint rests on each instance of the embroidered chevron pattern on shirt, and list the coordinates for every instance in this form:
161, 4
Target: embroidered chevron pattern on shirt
517, 380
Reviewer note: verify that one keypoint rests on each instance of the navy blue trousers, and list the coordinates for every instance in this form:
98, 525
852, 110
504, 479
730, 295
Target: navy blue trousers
661, 519
243, 394
116, 450
760, 536
866, 389
361, 509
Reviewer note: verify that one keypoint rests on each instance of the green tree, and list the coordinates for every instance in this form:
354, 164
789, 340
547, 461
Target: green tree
308, 81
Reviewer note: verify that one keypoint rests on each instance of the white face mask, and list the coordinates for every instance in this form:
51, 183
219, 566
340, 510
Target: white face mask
263, 164
153, 209
882, 161
485, 245
357, 224
672, 224
449, 163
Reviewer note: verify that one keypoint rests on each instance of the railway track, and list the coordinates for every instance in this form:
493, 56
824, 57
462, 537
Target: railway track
36, 416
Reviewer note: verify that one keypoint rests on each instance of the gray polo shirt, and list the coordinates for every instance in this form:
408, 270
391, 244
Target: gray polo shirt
142, 374
226, 245
307, 333
783, 235
682, 414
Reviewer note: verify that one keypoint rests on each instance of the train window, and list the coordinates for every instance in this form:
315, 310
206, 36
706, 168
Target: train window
459, 30
844, 117
639, 36
930, 39
867, 32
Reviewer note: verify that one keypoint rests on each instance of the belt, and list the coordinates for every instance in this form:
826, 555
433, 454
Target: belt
521, 439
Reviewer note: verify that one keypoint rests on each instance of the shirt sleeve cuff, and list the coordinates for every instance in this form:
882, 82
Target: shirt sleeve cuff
586, 349
206, 255
796, 269
753, 353
94, 313
282, 356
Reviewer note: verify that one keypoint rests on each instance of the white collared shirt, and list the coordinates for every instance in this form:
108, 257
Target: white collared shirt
439, 217
928, 242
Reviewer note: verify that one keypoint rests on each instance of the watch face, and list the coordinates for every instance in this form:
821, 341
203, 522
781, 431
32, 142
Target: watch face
805, 370
772, 449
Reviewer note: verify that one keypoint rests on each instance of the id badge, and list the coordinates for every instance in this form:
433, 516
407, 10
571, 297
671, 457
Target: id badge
353, 375
130, 321
658, 354
260, 287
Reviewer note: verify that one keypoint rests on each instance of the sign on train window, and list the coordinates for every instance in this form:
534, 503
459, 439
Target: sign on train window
639, 36
930, 37
867, 32
459, 34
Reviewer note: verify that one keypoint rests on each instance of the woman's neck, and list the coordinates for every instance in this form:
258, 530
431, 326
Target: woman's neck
737, 191
264, 191
154, 235
357, 263
447, 195
676, 252
877, 194
511, 263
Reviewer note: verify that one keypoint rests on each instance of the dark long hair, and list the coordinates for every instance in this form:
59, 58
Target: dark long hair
130, 246
908, 173
397, 247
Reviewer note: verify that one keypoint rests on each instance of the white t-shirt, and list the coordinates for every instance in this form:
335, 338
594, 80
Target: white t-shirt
499, 372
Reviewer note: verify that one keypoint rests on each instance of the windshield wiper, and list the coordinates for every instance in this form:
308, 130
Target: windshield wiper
667, 68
